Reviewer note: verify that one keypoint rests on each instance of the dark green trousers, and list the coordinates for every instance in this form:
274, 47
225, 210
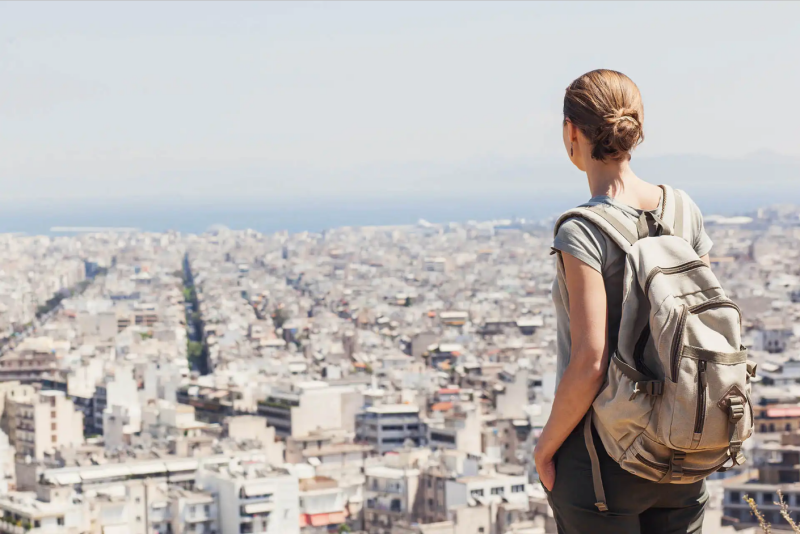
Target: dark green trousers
635, 505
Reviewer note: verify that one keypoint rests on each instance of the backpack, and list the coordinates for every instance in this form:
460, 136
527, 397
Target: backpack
675, 406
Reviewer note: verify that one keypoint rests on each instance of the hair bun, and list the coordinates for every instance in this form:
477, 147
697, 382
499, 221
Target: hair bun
623, 114
607, 107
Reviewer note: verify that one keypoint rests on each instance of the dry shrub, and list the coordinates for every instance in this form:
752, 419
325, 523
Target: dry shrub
766, 527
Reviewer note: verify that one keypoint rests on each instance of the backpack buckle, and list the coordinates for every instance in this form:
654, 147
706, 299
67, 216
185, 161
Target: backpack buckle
735, 451
676, 473
735, 409
652, 388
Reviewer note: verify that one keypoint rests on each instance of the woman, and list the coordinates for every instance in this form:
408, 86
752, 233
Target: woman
603, 118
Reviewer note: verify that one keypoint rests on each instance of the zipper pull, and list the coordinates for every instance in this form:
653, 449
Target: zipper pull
703, 377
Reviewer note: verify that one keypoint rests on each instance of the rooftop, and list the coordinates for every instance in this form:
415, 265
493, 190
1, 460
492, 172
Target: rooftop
393, 408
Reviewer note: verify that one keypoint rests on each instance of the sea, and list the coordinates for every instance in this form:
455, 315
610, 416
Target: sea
300, 215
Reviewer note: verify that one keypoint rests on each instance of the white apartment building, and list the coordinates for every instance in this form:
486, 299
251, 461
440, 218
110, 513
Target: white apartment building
252, 497
486, 489
459, 429
323, 505
193, 512
45, 422
390, 497
388, 427
58, 513
140, 497
310, 406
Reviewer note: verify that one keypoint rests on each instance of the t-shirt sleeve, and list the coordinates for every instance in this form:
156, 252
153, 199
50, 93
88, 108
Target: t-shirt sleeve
701, 242
581, 239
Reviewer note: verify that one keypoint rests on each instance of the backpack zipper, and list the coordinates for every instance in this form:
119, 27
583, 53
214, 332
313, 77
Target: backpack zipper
677, 342
678, 269
650, 463
702, 383
686, 470
719, 302
715, 303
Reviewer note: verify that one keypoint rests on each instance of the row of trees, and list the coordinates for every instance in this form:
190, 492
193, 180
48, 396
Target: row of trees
196, 347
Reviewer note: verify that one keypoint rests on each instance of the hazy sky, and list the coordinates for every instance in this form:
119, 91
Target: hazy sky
224, 100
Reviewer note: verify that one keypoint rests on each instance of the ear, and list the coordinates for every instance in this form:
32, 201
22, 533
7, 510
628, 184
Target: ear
572, 131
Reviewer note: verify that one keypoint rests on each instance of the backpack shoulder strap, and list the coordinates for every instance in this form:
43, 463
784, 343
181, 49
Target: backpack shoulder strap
673, 211
623, 231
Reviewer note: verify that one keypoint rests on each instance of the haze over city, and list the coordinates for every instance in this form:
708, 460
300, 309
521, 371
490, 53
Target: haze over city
215, 110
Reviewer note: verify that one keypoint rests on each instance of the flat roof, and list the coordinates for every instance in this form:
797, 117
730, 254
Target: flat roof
381, 471
393, 408
336, 448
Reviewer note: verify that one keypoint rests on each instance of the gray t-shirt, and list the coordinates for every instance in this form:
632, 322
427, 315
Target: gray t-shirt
585, 241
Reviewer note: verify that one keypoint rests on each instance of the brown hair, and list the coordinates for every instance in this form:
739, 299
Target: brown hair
606, 106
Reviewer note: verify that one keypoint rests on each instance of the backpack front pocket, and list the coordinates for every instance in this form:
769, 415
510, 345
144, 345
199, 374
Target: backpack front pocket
625, 405
711, 390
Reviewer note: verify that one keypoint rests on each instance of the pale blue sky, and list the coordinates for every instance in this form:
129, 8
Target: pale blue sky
228, 100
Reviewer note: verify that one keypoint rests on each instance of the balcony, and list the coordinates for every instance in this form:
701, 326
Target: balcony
394, 506
12, 529
382, 488
255, 510
160, 515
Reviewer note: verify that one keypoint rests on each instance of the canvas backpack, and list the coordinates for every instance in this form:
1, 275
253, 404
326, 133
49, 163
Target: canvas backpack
675, 406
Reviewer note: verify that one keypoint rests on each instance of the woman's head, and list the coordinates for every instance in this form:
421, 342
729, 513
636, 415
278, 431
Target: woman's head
606, 108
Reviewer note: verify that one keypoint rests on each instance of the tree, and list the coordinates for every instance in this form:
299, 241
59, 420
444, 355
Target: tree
194, 350
280, 317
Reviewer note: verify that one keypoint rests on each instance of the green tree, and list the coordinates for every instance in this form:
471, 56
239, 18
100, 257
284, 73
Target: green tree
280, 317
194, 350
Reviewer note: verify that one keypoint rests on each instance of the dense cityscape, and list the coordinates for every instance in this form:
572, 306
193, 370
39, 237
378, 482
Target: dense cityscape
387, 380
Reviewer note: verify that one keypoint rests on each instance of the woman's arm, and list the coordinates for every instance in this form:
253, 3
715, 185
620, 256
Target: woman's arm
587, 363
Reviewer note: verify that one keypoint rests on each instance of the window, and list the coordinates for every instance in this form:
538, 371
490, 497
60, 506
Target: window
476, 493
138, 500
772, 427
735, 497
767, 498
60, 521
207, 509
428, 483
517, 488
763, 427
52, 426
788, 427
498, 491
53, 439
138, 519
430, 503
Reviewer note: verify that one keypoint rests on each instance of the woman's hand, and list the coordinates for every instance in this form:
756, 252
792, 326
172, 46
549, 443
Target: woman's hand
588, 362
546, 468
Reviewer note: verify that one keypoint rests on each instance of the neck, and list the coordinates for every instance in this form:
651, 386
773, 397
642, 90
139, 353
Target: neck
609, 178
